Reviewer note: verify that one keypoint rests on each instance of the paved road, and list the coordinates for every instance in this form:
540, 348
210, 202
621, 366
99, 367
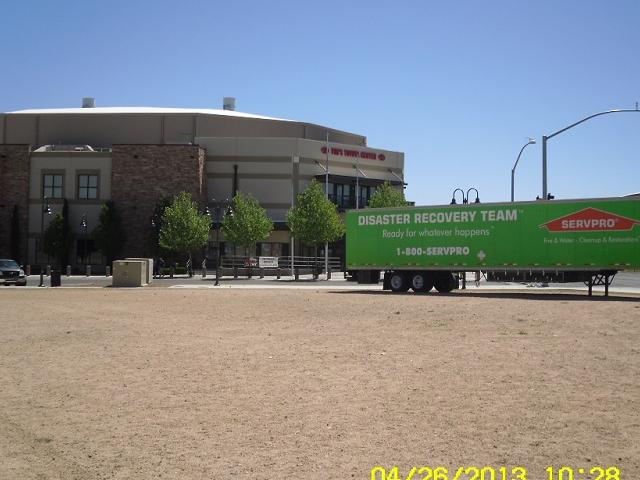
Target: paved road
624, 282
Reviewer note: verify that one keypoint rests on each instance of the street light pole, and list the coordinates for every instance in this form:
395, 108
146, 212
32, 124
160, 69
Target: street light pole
45, 209
217, 207
326, 189
358, 173
83, 224
545, 138
453, 196
513, 170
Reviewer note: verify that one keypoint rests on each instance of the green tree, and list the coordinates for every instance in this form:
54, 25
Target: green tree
109, 235
58, 237
54, 240
315, 219
248, 224
184, 229
386, 195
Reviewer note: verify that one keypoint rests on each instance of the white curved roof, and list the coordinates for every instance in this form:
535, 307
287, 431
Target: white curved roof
153, 110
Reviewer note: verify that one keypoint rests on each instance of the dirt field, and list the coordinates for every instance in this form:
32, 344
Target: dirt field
202, 384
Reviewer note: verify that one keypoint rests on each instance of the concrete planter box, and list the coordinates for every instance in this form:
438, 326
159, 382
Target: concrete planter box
129, 273
149, 262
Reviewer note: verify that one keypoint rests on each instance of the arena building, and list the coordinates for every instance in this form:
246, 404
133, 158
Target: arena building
134, 156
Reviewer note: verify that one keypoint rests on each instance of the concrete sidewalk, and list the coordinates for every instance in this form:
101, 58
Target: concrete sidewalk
624, 282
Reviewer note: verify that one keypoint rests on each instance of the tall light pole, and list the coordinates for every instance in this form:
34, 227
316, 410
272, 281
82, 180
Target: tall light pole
83, 224
325, 167
46, 208
326, 189
513, 170
358, 173
545, 138
218, 206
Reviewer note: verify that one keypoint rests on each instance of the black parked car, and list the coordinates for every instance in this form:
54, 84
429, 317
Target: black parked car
11, 273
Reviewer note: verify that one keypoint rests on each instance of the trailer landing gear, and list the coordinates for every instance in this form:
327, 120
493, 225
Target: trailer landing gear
600, 279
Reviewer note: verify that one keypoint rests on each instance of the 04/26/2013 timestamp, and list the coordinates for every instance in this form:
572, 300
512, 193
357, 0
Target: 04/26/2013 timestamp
495, 473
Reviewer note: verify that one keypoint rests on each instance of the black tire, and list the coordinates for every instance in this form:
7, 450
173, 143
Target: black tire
398, 282
445, 282
421, 282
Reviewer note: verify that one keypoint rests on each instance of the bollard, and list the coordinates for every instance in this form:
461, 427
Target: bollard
48, 270
107, 271
88, 273
262, 273
68, 270
28, 271
41, 277
464, 280
278, 274
249, 272
171, 270
296, 273
329, 273
235, 272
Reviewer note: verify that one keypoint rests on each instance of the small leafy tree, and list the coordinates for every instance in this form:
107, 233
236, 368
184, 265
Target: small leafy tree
315, 219
184, 229
54, 240
58, 237
386, 195
249, 222
109, 235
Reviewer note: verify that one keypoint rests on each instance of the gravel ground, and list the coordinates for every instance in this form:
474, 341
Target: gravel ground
151, 383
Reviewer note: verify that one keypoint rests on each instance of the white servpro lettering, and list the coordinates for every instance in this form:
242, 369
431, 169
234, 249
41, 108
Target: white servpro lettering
384, 219
447, 250
589, 223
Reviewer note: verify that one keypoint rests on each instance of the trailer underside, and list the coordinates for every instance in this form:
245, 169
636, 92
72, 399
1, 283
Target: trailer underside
444, 281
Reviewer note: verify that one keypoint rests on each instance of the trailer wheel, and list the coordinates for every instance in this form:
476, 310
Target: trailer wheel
445, 282
398, 282
421, 282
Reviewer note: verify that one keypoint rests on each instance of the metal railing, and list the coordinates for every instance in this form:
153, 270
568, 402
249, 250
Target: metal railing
230, 261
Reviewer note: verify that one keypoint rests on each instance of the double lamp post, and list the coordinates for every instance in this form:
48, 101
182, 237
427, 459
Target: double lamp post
218, 207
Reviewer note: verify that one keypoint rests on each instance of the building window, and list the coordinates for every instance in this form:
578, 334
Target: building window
52, 185
269, 249
365, 195
87, 186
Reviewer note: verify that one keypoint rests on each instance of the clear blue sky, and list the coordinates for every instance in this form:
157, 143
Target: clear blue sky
457, 86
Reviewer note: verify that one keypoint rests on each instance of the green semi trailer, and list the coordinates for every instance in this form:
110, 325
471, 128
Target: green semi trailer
420, 248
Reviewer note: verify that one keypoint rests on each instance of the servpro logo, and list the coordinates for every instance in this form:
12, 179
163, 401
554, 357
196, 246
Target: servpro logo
590, 220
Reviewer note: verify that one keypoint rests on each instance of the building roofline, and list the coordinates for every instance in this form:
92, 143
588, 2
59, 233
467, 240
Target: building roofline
167, 111
141, 110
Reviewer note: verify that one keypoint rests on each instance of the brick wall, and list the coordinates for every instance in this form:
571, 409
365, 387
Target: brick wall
142, 174
14, 190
